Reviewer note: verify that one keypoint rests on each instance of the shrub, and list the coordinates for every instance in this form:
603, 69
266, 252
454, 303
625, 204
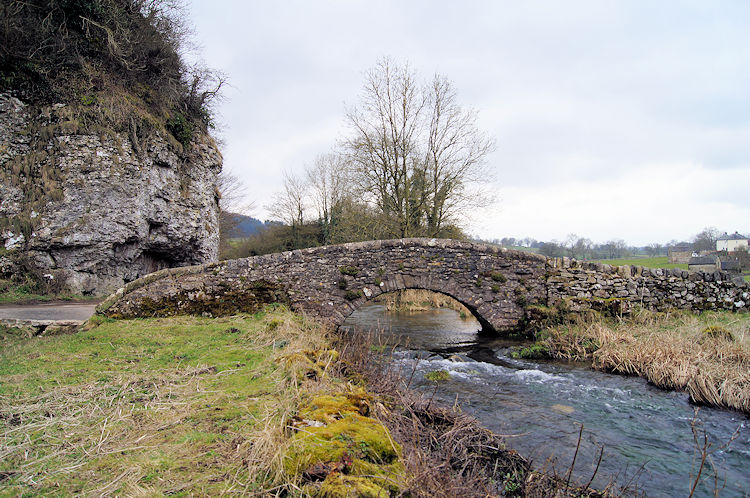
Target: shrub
498, 277
79, 51
342, 283
180, 128
352, 271
352, 295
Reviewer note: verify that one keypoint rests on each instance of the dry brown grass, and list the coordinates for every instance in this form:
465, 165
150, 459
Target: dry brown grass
411, 300
671, 350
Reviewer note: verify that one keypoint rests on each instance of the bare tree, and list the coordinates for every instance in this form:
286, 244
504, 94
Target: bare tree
328, 185
415, 153
233, 194
455, 168
290, 204
706, 239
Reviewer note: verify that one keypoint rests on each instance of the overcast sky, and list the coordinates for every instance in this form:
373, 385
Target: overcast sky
613, 119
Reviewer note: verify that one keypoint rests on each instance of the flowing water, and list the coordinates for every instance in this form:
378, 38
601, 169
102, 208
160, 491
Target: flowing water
646, 432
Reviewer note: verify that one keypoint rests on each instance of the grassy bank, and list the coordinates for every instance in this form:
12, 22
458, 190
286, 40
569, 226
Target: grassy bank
251, 405
706, 355
654, 262
144, 406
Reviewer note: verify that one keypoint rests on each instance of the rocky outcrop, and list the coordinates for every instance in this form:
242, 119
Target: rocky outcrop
97, 210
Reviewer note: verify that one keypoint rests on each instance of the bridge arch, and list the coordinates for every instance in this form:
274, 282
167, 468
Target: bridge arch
495, 284
393, 286
329, 283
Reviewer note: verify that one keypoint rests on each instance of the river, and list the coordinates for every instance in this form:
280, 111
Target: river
646, 432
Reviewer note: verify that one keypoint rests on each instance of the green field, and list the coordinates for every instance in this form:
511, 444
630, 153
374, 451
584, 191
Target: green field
143, 407
657, 262
525, 249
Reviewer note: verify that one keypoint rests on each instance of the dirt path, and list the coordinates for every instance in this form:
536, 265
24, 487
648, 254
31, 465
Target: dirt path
47, 311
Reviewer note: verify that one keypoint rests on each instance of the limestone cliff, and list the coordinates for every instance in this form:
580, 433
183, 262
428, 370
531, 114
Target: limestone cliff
97, 210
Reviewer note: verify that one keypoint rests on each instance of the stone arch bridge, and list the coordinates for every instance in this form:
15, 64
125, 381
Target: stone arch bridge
499, 286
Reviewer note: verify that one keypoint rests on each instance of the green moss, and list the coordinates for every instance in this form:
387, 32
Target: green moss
353, 295
349, 270
536, 351
311, 364
350, 445
438, 376
495, 288
328, 408
498, 277
353, 454
344, 486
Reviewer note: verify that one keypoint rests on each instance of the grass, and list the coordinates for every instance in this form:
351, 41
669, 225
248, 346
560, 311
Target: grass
152, 406
21, 294
524, 249
747, 278
653, 262
411, 300
707, 355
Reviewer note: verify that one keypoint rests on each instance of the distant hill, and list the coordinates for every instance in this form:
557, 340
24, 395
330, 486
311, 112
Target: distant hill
247, 226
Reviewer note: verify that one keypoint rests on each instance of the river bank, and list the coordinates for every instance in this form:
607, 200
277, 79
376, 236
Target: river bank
646, 434
706, 355
240, 405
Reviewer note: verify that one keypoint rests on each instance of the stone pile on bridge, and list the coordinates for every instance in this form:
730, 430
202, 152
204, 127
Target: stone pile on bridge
497, 285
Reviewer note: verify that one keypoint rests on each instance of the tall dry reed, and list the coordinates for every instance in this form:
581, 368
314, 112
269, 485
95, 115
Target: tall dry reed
679, 351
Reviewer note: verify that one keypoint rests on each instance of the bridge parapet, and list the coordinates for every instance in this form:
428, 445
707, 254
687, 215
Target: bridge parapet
497, 285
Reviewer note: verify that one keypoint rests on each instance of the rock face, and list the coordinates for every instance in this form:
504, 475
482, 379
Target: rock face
98, 211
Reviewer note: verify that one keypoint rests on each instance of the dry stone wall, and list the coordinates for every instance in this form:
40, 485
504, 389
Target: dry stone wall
498, 285
581, 283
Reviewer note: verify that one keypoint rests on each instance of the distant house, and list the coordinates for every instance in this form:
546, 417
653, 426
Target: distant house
681, 253
704, 263
731, 243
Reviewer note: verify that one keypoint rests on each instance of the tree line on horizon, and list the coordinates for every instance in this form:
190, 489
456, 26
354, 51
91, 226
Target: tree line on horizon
583, 248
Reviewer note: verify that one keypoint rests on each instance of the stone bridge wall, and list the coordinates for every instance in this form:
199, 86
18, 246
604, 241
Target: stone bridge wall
653, 288
496, 284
